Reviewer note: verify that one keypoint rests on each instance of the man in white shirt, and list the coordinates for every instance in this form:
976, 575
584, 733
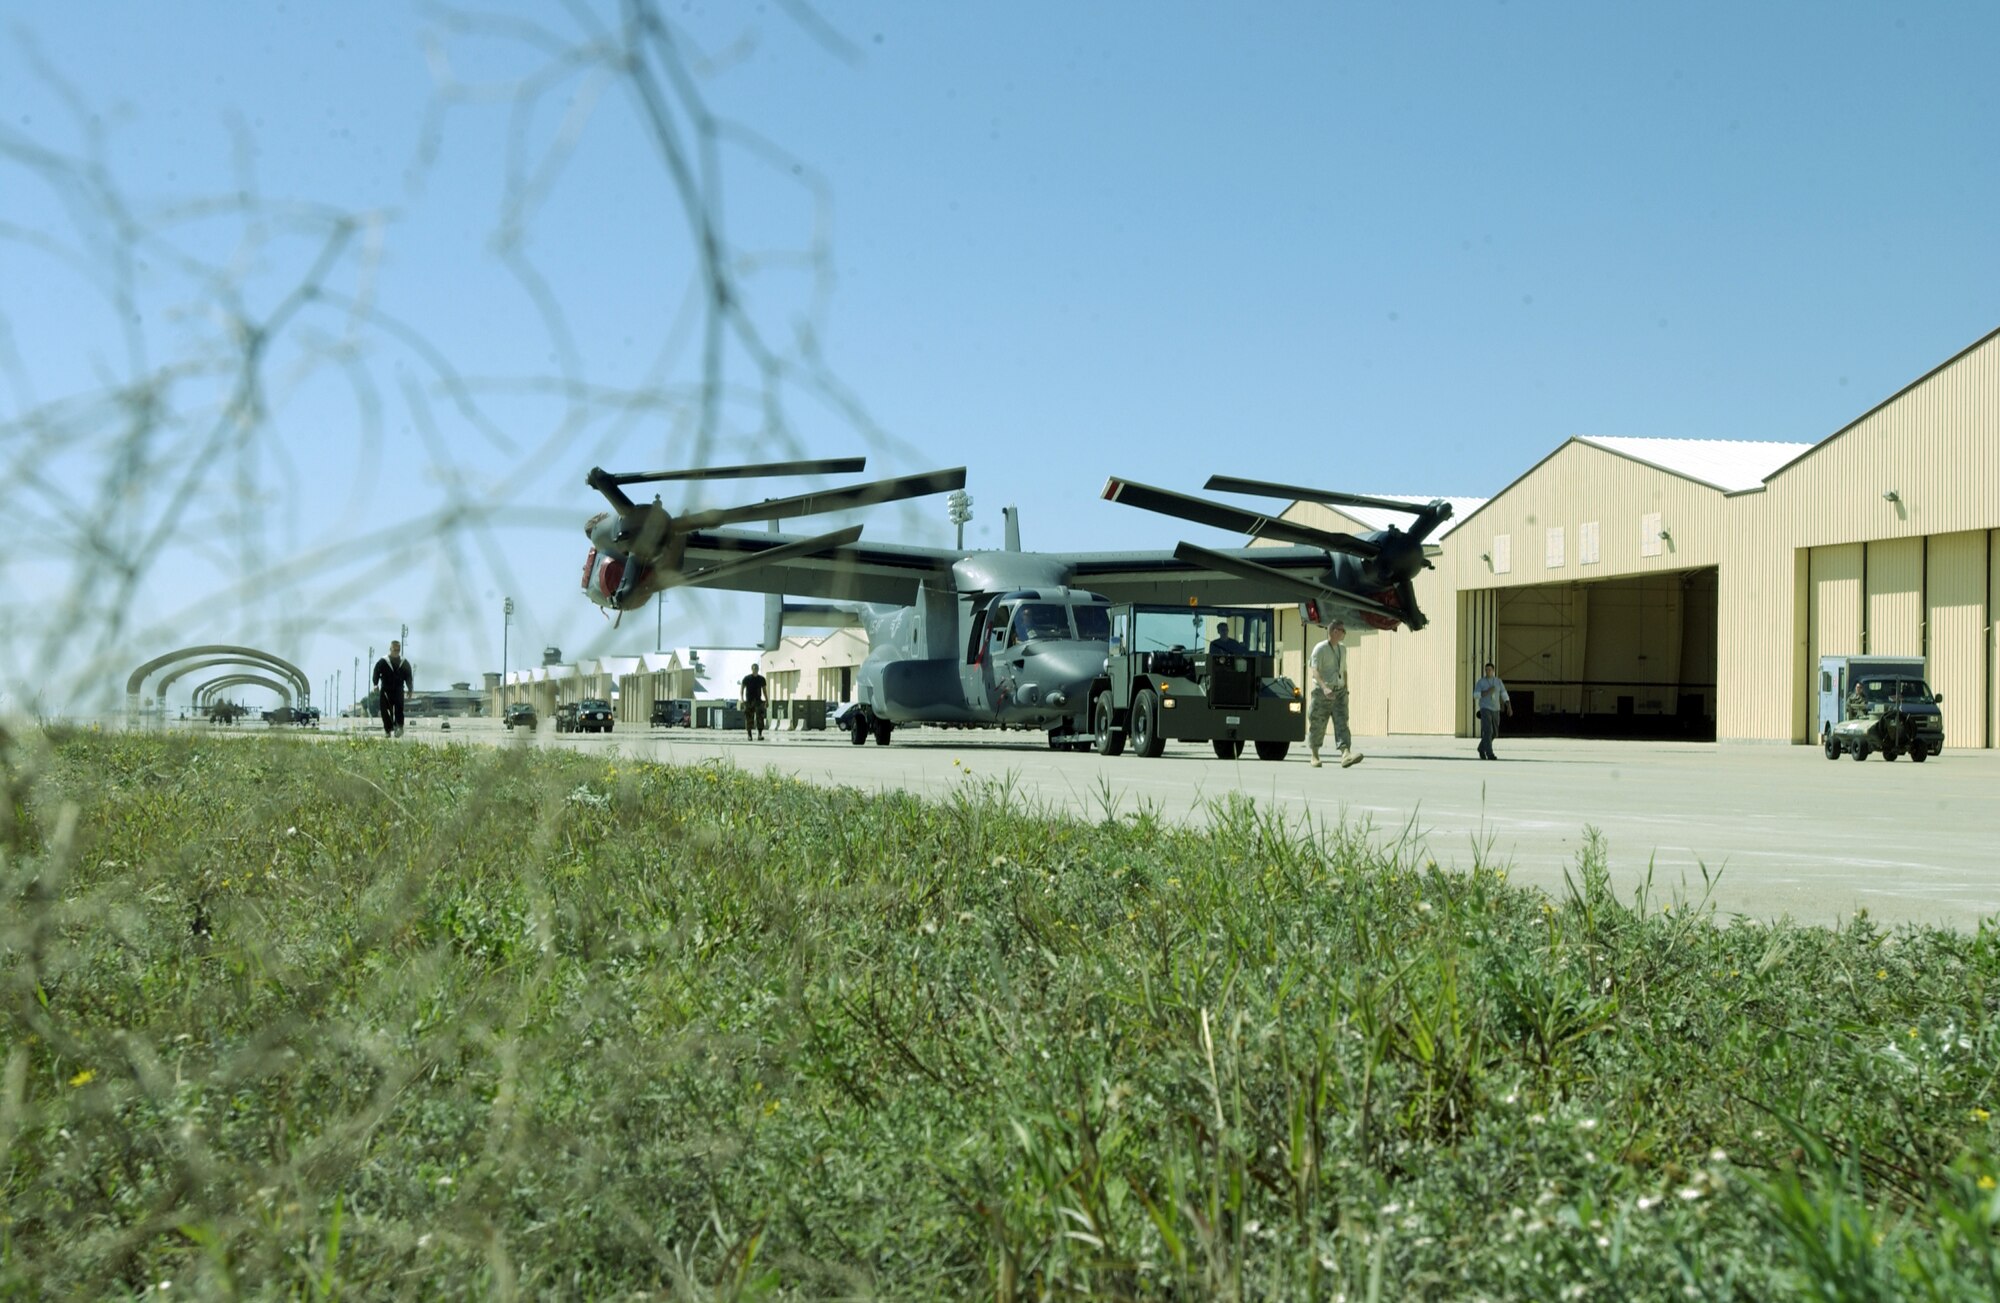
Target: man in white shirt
1489, 698
1328, 673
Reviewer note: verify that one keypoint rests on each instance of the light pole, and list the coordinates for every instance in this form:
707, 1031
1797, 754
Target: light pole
506, 618
960, 503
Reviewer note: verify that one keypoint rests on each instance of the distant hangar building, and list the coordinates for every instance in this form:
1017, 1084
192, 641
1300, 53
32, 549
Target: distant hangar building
1688, 587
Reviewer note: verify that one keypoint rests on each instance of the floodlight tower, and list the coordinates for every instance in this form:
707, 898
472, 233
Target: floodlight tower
960, 503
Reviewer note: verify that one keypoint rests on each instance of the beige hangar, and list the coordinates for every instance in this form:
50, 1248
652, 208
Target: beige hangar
1687, 587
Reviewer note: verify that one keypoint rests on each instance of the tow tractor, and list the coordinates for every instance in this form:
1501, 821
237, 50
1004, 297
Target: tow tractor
1195, 674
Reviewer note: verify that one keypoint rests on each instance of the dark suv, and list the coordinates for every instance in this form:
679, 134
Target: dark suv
593, 715
566, 717
520, 715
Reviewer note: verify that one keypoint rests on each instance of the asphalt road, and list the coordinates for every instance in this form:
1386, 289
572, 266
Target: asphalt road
1780, 830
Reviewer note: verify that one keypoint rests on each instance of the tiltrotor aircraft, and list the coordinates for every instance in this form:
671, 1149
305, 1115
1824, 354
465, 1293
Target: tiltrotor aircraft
995, 638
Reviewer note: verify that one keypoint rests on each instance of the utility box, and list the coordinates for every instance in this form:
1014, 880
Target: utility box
718, 714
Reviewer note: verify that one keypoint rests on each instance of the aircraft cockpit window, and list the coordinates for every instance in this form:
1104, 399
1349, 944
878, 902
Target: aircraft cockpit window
1093, 623
1036, 621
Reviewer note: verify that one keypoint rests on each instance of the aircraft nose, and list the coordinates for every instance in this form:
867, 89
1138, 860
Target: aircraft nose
1073, 669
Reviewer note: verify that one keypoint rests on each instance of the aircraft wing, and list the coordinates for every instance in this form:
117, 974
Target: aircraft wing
1165, 577
853, 572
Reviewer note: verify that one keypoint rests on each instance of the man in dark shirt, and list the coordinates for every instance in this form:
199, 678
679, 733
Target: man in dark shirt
753, 705
392, 680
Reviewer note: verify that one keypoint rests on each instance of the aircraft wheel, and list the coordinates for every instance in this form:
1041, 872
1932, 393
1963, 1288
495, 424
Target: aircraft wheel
1832, 747
860, 728
1890, 755
882, 730
1228, 748
1145, 724
1110, 741
1273, 750
1918, 753
1861, 751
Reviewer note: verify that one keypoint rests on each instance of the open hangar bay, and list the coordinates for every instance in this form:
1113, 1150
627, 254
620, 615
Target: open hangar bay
1686, 588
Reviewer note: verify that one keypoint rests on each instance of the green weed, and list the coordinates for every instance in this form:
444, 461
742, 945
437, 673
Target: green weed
322, 1019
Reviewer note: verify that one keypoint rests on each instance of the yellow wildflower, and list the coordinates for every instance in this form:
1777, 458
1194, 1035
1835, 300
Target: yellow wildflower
83, 1078
1986, 1182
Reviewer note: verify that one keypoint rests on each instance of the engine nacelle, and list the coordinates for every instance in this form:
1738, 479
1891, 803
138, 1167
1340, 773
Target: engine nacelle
604, 572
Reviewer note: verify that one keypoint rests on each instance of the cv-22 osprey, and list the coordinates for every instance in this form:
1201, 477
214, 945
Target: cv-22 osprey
1002, 638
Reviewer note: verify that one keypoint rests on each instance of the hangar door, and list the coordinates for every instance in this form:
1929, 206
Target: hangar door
1930, 596
1631, 657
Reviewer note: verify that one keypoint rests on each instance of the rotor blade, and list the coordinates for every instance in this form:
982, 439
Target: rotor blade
813, 546
813, 504
1234, 519
1331, 497
824, 466
1281, 581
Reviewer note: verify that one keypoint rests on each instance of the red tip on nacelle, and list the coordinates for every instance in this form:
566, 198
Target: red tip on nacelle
1111, 487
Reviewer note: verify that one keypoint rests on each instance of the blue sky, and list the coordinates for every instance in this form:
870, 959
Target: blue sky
1403, 249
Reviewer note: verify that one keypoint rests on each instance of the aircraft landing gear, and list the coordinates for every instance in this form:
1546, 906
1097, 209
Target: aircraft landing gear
882, 730
859, 725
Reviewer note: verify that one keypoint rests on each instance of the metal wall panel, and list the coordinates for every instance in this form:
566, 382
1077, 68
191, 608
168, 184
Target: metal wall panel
1955, 590
1993, 638
1835, 606
1578, 484
1895, 583
1478, 613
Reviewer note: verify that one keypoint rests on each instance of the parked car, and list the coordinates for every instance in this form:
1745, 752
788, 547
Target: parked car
520, 715
593, 715
566, 717
672, 712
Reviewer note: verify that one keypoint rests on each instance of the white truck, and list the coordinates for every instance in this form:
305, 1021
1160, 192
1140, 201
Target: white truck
1870, 704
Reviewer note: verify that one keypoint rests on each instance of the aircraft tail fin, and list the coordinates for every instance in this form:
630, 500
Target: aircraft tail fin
1013, 518
780, 615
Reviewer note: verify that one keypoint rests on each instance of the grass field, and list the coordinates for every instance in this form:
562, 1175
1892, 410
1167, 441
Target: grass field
353, 1019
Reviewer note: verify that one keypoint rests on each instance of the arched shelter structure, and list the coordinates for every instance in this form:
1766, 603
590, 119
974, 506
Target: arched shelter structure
205, 694
186, 668
301, 690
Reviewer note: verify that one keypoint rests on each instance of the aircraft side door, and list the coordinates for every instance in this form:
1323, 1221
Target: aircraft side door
986, 641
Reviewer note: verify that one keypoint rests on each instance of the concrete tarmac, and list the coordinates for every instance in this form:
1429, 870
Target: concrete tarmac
1780, 830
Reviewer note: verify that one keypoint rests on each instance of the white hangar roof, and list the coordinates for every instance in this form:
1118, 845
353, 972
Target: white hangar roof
1727, 464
